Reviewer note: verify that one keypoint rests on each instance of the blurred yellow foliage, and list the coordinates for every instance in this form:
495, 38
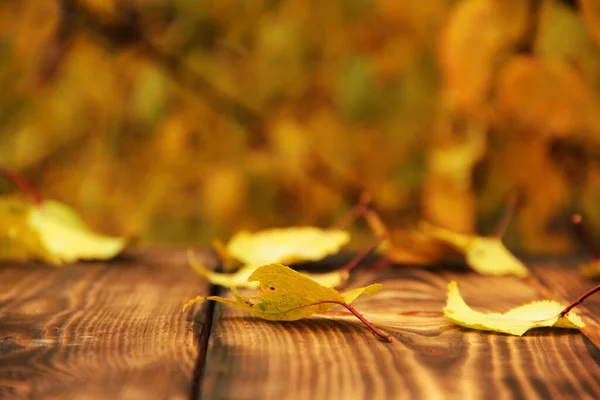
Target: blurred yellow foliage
476, 33
179, 121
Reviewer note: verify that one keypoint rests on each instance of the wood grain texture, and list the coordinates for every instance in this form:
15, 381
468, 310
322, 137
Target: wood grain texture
334, 356
99, 330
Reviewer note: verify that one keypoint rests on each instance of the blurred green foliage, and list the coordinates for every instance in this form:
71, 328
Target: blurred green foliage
183, 120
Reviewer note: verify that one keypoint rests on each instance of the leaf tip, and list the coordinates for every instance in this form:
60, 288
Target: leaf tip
192, 302
195, 264
452, 289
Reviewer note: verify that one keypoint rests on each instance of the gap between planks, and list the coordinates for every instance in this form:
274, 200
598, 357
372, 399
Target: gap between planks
99, 330
203, 337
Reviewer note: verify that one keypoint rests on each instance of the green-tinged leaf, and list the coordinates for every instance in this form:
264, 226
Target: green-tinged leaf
517, 321
51, 232
240, 277
286, 245
287, 295
486, 255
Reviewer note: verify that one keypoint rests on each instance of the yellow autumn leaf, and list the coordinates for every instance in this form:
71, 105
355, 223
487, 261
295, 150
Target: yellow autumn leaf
415, 247
407, 246
287, 295
17, 236
517, 321
51, 232
486, 255
286, 245
240, 277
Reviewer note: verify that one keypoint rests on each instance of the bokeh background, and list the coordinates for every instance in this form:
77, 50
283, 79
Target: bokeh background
184, 120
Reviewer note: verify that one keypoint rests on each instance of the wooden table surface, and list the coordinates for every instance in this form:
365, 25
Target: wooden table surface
115, 330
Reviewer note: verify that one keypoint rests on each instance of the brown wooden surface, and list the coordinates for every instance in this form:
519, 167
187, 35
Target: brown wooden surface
333, 356
116, 330
99, 330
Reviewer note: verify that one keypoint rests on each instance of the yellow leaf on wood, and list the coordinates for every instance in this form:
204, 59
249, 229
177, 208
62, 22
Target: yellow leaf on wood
416, 247
51, 232
287, 295
486, 255
240, 277
517, 321
286, 245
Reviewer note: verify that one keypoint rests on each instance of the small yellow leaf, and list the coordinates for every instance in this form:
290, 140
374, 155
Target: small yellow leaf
286, 245
415, 247
287, 295
51, 232
64, 234
489, 256
486, 255
240, 277
517, 321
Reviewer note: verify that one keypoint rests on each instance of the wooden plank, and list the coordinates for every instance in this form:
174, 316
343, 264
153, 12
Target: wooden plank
99, 330
564, 282
333, 356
